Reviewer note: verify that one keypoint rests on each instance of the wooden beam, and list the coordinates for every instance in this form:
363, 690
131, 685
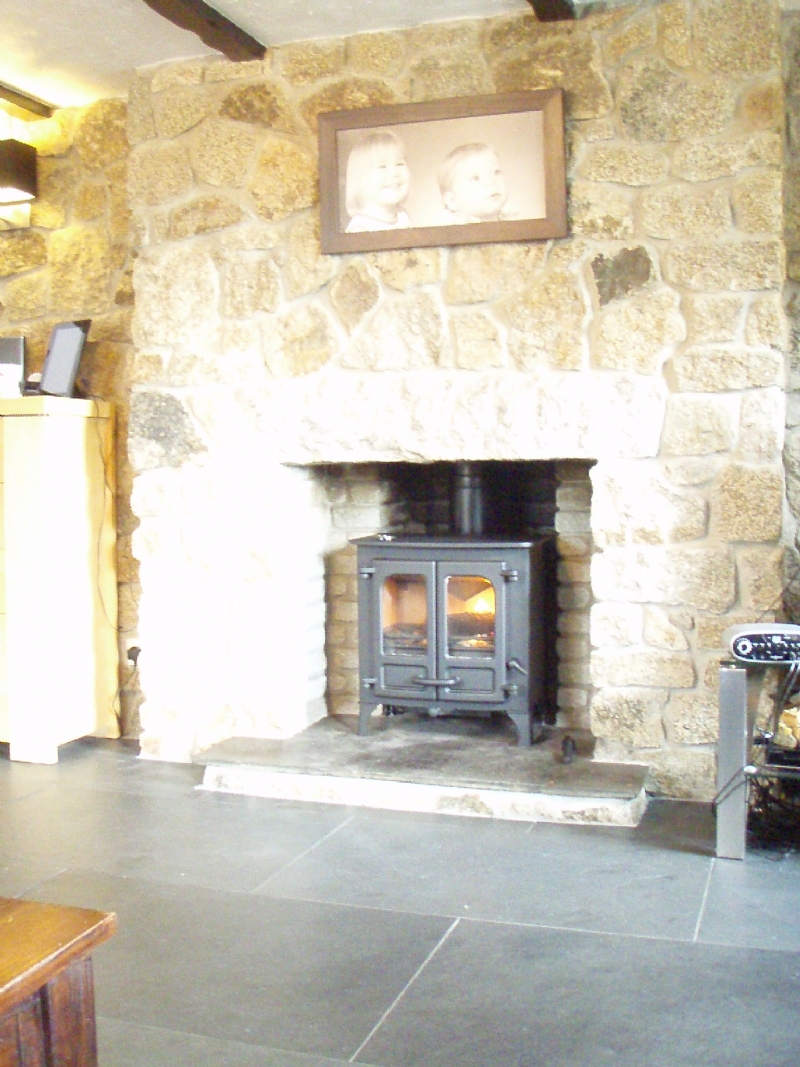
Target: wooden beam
212, 28
21, 100
554, 10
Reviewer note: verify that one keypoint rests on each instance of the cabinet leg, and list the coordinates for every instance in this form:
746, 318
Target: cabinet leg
523, 725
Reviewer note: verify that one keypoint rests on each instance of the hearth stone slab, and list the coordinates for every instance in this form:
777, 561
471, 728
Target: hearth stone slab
454, 766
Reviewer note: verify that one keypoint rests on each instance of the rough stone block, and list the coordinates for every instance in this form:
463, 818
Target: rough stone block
633, 504
747, 504
656, 104
766, 321
91, 201
221, 152
762, 107
203, 215
697, 426
571, 60
634, 335
738, 37
631, 716
761, 425
377, 53
619, 275
674, 211
714, 370
308, 61
436, 77
703, 579
684, 774
300, 345
403, 335
264, 104
346, 95
285, 180
476, 341
639, 33
26, 297
306, 269
616, 625
178, 110
757, 202
703, 161
159, 174
354, 294
21, 250
599, 212
482, 272
101, 136
406, 268
736, 266
761, 578
713, 318
251, 285
626, 164
693, 718
618, 668
675, 33
79, 270
549, 316
661, 632
161, 434
176, 296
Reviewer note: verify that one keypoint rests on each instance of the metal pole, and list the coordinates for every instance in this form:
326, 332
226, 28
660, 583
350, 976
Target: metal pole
733, 753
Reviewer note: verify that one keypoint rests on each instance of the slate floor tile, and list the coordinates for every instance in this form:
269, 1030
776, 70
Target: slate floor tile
123, 1044
289, 975
754, 903
223, 842
546, 998
551, 875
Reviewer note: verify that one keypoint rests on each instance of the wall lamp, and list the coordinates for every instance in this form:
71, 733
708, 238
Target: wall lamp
17, 172
18, 184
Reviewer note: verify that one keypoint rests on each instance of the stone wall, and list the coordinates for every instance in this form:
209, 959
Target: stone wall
75, 262
650, 342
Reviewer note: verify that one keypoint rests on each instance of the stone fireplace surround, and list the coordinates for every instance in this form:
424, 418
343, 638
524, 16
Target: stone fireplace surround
651, 343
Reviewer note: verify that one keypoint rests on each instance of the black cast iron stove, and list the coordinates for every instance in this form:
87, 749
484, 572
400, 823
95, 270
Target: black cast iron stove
457, 623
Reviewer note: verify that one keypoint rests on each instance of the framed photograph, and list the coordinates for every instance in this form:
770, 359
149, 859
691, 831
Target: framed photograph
453, 172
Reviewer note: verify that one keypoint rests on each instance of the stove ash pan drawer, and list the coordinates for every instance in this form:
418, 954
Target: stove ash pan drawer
398, 680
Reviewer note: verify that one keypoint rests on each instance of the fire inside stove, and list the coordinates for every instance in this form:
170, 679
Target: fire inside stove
469, 617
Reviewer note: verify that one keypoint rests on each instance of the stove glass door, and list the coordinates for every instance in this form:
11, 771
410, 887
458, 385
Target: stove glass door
407, 645
472, 637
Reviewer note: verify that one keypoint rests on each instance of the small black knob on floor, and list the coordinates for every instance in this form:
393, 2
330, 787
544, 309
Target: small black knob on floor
568, 749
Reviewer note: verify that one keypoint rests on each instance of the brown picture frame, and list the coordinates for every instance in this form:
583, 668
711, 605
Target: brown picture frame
527, 126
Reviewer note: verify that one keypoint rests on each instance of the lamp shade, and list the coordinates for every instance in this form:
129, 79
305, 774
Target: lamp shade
17, 172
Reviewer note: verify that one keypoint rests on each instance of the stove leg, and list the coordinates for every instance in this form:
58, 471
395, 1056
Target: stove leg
523, 725
364, 715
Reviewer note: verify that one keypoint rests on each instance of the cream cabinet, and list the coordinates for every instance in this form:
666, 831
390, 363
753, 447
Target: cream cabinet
58, 590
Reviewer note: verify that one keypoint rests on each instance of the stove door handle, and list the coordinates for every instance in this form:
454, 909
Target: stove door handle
419, 680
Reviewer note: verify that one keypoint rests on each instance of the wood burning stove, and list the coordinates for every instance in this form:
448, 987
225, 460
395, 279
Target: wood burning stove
457, 623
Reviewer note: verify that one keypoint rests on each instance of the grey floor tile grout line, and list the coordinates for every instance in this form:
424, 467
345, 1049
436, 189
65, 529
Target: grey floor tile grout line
304, 853
704, 900
482, 919
405, 989
41, 881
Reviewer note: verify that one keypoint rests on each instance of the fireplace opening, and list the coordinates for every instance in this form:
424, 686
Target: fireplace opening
516, 501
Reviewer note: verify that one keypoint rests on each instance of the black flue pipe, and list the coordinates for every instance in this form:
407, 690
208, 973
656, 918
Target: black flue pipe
467, 501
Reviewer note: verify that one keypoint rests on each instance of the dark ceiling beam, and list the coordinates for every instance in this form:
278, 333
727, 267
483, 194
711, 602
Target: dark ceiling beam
554, 10
31, 104
212, 28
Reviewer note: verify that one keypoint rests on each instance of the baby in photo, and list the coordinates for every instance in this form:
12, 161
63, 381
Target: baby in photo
472, 184
376, 183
